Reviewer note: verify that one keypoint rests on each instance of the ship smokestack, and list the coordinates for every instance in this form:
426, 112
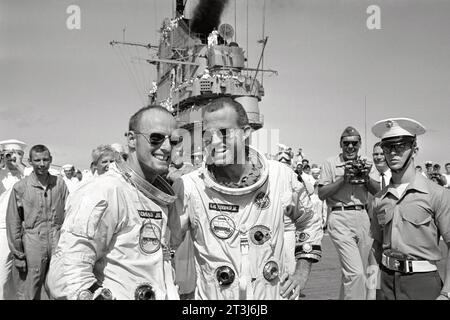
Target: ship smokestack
207, 15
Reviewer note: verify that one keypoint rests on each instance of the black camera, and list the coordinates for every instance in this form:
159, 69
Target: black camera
357, 171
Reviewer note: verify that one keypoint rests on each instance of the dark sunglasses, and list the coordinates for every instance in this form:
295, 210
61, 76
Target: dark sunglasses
399, 147
353, 143
223, 133
156, 138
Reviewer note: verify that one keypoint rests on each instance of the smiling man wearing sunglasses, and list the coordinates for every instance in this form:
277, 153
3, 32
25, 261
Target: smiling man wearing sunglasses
410, 215
113, 241
348, 220
235, 207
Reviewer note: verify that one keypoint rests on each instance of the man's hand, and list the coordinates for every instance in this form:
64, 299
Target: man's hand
21, 265
292, 285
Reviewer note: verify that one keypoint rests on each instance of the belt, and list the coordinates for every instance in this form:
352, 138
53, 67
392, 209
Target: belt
407, 266
353, 207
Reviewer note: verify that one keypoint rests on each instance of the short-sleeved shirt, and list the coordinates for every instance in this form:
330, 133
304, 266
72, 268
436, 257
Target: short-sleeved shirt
413, 223
348, 194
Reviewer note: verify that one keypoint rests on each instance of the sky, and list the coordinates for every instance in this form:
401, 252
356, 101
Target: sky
70, 90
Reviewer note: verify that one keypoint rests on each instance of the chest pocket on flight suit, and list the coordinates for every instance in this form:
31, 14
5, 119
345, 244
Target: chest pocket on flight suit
31, 206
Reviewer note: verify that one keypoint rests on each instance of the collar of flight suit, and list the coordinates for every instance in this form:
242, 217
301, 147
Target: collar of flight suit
34, 181
419, 184
211, 183
160, 191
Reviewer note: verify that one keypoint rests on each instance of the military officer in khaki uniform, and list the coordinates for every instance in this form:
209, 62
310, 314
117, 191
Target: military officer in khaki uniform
348, 221
410, 215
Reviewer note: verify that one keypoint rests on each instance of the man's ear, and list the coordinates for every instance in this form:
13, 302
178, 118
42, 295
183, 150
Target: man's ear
131, 139
415, 151
247, 132
51, 159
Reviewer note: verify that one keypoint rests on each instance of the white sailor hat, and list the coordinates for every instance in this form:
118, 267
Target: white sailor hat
68, 167
12, 144
397, 127
315, 170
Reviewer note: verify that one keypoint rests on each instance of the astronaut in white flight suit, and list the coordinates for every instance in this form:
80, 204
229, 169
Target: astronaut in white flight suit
114, 239
234, 207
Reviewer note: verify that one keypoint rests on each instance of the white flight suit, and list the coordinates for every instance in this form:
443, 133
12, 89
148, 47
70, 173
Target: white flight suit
244, 233
7, 181
303, 242
112, 235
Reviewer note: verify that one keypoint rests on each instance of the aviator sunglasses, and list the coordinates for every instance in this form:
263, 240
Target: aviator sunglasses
156, 138
353, 143
224, 133
399, 147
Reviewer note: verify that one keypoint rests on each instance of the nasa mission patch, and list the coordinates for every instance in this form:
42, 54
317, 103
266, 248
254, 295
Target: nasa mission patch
222, 226
262, 200
150, 238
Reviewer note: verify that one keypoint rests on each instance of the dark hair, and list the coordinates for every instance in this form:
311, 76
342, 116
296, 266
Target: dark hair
306, 167
378, 144
307, 161
447, 164
220, 103
38, 149
419, 166
135, 119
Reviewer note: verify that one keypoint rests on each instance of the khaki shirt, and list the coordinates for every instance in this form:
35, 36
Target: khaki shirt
348, 194
414, 223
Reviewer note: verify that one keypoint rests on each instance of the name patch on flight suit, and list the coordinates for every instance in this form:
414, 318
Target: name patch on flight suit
224, 207
222, 226
150, 238
262, 200
147, 214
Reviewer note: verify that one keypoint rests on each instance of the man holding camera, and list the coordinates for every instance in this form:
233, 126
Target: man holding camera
410, 215
345, 184
11, 154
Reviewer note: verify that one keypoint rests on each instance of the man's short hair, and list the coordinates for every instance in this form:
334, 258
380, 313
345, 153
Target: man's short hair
378, 144
447, 164
220, 103
38, 148
135, 119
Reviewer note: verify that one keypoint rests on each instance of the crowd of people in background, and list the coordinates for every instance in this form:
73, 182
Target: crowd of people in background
36, 200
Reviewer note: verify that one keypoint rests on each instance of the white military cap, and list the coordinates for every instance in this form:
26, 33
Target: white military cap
12, 144
67, 166
396, 127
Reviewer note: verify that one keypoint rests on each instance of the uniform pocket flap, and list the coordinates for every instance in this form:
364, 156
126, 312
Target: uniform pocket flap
416, 218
